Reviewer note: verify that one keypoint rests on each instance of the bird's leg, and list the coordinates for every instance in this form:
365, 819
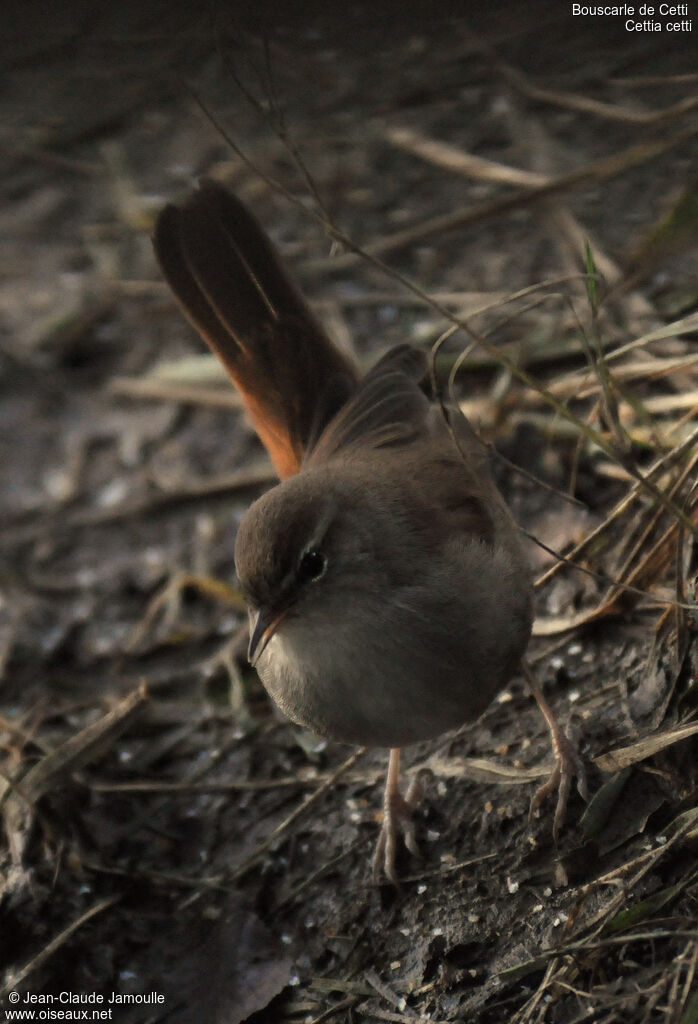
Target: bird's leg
568, 763
397, 819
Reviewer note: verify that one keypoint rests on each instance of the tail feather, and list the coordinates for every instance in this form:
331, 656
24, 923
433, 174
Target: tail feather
231, 286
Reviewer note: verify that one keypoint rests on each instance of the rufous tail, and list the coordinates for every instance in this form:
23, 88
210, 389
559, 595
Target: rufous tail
230, 284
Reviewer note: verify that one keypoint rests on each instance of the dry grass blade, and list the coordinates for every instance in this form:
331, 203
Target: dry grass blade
187, 788
445, 155
655, 561
630, 571
376, 1013
608, 111
595, 354
480, 769
644, 480
682, 828
672, 403
686, 325
641, 912
629, 585
190, 394
649, 81
348, 1003
536, 352
586, 946
623, 757
384, 990
20, 798
192, 369
563, 228
579, 383
660, 465
18, 976
596, 171
554, 625
576, 101
83, 747
525, 1014
691, 1009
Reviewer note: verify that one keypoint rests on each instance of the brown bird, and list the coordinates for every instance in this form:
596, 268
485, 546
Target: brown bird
388, 592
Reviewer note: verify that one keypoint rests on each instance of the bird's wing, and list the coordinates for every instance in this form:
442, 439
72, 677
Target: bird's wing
388, 409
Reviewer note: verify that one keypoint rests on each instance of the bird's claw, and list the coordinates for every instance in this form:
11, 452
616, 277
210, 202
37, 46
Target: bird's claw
397, 821
568, 766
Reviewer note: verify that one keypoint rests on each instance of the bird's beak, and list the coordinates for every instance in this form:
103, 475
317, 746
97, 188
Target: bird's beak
262, 628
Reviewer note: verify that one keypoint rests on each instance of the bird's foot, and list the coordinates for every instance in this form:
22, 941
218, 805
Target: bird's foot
568, 766
568, 763
397, 822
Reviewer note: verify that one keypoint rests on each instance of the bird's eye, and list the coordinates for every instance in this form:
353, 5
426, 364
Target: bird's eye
311, 566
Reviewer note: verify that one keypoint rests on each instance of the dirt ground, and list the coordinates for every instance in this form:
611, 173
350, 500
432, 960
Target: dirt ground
170, 843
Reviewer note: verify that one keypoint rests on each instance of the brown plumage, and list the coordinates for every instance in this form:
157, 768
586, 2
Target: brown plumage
388, 592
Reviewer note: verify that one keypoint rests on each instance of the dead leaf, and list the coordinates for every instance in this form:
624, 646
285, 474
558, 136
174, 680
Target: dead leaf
231, 968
